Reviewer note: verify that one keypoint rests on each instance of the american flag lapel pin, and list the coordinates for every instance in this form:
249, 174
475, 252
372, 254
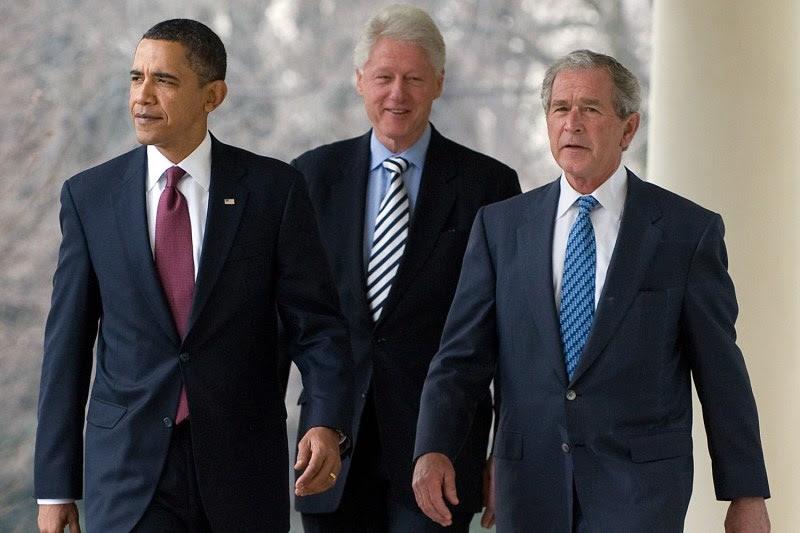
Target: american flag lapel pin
230, 201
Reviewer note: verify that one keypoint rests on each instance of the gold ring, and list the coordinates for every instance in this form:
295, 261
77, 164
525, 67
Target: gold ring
333, 476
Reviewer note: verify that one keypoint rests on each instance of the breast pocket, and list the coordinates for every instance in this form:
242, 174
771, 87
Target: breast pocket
247, 250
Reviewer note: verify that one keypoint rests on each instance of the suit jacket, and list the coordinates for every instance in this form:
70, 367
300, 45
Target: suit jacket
620, 430
261, 257
392, 356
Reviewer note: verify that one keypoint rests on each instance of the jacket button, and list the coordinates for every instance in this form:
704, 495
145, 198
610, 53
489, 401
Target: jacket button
167, 422
571, 395
381, 340
184, 357
565, 447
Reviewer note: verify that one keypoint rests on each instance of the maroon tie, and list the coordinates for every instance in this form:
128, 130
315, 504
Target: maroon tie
175, 260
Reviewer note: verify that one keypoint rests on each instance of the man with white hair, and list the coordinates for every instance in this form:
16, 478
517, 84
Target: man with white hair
395, 206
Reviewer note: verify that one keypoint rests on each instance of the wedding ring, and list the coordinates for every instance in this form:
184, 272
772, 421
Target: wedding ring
333, 476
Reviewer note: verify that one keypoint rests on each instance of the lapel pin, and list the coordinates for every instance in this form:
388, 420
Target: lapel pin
230, 201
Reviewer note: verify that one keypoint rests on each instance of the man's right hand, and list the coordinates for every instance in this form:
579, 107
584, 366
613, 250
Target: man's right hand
53, 518
434, 477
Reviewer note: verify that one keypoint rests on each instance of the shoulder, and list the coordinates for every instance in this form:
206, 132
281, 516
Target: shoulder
330, 153
113, 167
673, 207
468, 158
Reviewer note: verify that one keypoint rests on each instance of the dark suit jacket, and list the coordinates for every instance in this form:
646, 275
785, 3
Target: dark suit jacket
621, 428
261, 257
392, 356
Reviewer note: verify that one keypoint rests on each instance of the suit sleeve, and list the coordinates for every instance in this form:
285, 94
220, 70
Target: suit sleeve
460, 373
718, 368
67, 364
308, 304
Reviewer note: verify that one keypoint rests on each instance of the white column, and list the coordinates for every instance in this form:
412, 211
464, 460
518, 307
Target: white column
725, 132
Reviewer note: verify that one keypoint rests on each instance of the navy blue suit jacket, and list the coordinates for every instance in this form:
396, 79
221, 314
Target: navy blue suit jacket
392, 356
620, 429
261, 257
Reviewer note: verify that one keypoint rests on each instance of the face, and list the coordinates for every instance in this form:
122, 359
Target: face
168, 105
586, 135
399, 85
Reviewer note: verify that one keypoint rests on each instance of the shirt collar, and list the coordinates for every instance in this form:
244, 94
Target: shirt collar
414, 155
197, 164
610, 195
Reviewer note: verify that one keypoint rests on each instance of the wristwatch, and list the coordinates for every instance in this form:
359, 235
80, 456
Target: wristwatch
344, 443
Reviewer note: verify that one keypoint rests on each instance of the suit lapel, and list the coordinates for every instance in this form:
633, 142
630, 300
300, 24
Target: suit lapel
535, 245
637, 242
434, 202
349, 188
130, 208
221, 224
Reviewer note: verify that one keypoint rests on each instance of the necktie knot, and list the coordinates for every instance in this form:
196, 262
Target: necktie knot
395, 165
174, 175
587, 203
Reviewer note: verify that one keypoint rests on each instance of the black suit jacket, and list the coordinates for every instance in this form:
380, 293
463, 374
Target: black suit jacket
392, 356
261, 257
620, 429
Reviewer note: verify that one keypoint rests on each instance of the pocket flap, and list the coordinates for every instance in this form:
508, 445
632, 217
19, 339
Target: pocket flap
646, 448
507, 445
103, 414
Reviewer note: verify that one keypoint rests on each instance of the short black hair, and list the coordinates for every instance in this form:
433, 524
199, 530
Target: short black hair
204, 49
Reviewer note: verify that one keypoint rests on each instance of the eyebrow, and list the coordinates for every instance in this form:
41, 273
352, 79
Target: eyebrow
581, 101
156, 74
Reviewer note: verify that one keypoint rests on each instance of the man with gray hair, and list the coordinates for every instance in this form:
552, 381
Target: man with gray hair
394, 207
592, 302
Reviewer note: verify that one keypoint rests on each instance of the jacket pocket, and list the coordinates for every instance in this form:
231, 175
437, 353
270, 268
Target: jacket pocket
103, 414
507, 445
659, 446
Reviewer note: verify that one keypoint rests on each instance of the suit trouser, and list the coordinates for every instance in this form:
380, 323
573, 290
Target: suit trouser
369, 504
176, 505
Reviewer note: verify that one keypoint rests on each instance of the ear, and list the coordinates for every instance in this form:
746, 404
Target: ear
215, 94
439, 85
360, 82
629, 127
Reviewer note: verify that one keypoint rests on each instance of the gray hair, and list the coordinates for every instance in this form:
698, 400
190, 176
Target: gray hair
401, 22
627, 95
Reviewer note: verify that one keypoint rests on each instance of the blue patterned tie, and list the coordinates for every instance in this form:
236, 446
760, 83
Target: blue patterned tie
389, 241
577, 286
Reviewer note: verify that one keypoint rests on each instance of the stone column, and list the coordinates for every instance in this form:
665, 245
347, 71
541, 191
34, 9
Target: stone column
725, 132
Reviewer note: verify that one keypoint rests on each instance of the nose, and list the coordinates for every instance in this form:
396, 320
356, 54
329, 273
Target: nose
574, 121
397, 90
142, 92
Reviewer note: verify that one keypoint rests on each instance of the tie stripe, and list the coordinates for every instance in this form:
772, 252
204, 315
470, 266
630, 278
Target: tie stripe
389, 238
578, 284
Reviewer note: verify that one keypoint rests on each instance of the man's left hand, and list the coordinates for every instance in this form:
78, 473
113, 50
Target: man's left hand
318, 454
747, 515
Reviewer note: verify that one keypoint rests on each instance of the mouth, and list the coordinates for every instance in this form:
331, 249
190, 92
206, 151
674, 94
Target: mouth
397, 112
145, 118
573, 147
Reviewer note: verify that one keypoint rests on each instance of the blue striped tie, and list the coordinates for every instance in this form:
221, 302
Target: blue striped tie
389, 240
577, 286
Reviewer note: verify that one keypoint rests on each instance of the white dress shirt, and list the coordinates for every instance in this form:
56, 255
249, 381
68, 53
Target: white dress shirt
605, 219
194, 186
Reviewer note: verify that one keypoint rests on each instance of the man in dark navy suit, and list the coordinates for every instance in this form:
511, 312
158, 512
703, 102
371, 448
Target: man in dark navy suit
592, 302
396, 281
185, 429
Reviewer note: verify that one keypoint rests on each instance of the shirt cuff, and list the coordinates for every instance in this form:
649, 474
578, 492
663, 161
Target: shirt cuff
54, 501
